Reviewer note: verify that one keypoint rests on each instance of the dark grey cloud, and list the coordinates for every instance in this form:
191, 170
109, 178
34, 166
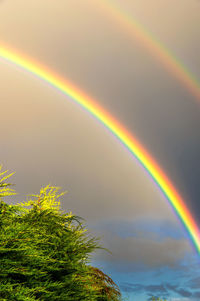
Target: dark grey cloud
153, 289
179, 290
171, 287
196, 295
161, 290
147, 251
184, 293
194, 283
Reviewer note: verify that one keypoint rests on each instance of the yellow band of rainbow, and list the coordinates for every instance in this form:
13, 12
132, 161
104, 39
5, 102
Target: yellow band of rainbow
118, 130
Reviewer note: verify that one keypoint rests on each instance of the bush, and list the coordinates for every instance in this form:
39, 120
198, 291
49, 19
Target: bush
45, 253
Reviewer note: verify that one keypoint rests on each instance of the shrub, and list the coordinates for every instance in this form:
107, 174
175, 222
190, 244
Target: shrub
45, 253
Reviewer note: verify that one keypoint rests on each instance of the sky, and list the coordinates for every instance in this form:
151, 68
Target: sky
46, 138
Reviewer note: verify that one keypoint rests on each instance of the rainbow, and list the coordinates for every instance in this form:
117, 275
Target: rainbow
145, 37
118, 130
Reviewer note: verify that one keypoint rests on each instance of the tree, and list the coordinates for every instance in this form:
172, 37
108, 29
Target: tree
45, 252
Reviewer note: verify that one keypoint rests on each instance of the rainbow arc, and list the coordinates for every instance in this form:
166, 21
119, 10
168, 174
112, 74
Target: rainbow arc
115, 127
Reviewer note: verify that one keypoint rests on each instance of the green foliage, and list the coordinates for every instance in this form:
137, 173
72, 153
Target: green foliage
45, 253
5, 189
47, 199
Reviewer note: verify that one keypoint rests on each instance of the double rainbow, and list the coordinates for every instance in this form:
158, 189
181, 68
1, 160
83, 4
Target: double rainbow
117, 129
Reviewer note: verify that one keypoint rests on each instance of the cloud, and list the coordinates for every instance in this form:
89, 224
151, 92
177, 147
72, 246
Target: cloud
196, 294
194, 283
161, 290
145, 227
184, 293
140, 288
179, 290
146, 251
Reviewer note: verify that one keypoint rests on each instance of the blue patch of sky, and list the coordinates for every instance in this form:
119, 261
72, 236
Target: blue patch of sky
138, 282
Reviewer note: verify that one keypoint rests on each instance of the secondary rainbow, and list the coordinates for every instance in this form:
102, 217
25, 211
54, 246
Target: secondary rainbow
135, 29
117, 129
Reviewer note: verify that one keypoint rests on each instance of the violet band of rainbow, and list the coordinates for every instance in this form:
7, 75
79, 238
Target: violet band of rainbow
115, 127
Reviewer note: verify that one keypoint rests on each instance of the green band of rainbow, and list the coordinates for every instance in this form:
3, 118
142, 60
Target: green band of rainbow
136, 30
118, 130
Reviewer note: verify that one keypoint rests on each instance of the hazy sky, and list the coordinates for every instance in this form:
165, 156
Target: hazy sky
46, 138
